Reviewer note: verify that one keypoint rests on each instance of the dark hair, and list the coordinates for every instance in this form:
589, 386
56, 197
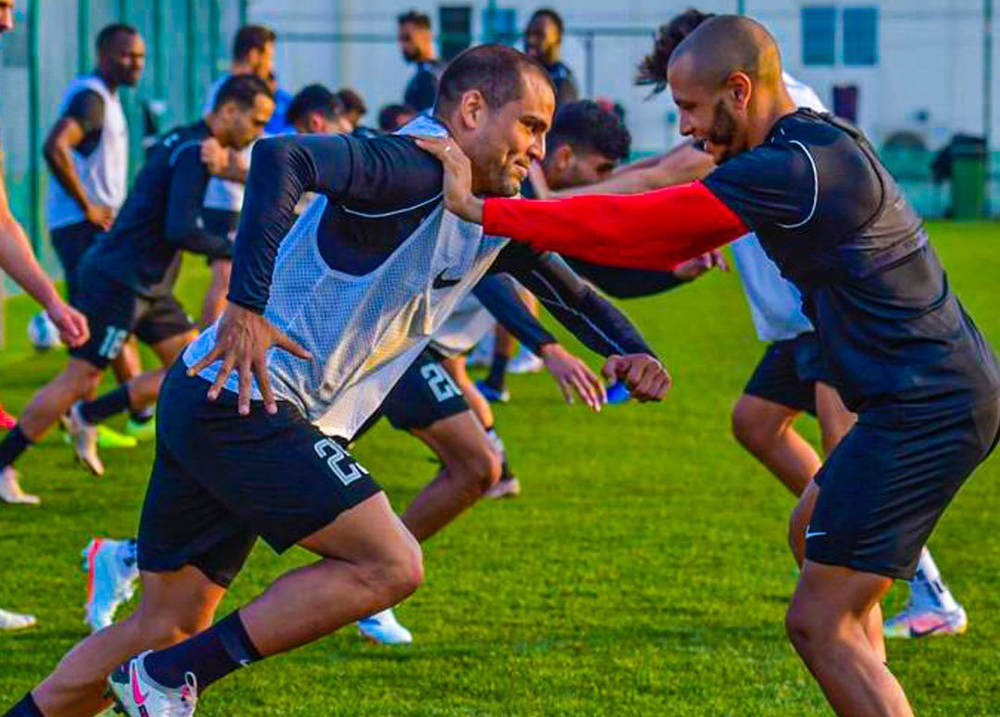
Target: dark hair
352, 101
551, 14
586, 126
109, 33
389, 117
242, 90
653, 68
313, 98
494, 70
251, 37
415, 17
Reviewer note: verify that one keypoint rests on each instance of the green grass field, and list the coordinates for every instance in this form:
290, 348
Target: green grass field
643, 572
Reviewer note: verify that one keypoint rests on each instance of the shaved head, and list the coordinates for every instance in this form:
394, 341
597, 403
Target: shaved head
726, 81
727, 44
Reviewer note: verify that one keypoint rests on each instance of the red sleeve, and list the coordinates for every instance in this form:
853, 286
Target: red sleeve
654, 230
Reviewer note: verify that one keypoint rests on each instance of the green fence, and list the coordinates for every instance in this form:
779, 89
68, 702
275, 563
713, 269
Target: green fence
187, 44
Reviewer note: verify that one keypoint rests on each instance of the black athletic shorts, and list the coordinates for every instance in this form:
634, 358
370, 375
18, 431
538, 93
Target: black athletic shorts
221, 223
425, 394
220, 480
115, 312
71, 243
788, 372
884, 487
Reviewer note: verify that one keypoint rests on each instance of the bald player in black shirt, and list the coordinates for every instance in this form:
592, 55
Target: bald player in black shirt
899, 347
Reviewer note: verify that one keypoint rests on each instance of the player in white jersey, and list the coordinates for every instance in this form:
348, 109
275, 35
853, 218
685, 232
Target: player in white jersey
87, 151
352, 293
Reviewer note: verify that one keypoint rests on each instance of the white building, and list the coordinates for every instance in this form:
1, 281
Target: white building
917, 64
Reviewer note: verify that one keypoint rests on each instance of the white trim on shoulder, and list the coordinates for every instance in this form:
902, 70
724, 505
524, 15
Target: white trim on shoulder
812, 211
356, 213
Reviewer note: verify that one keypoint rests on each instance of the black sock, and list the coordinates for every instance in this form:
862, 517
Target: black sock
103, 408
13, 445
497, 377
210, 655
25, 708
142, 416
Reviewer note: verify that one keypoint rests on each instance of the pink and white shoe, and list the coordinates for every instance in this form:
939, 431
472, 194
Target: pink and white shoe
136, 695
920, 621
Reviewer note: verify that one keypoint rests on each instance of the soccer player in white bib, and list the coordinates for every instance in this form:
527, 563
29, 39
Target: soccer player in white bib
87, 151
323, 319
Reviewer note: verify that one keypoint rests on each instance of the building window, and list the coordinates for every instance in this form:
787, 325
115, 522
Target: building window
500, 25
456, 29
819, 34
860, 35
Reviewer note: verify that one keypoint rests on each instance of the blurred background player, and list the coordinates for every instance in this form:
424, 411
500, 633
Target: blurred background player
253, 54
417, 46
18, 261
354, 106
394, 117
317, 110
87, 151
126, 280
543, 42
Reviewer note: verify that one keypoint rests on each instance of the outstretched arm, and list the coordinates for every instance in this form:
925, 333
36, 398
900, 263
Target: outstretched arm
655, 230
594, 320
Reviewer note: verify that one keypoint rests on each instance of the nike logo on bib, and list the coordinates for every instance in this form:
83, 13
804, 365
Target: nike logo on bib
441, 283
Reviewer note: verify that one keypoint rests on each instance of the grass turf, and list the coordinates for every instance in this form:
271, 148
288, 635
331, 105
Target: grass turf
643, 571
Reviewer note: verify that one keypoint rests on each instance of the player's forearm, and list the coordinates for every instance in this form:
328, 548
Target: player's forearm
655, 230
501, 299
17, 259
59, 158
623, 283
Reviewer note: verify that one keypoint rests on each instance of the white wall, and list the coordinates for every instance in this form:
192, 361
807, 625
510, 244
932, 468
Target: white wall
930, 56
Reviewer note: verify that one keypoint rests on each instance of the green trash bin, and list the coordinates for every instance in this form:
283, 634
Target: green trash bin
968, 180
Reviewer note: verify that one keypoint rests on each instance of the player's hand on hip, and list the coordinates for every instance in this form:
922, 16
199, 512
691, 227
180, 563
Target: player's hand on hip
72, 325
458, 196
100, 215
241, 342
573, 375
644, 375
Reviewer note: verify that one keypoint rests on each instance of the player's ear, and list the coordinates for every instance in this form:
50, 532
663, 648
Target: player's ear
472, 108
561, 158
740, 88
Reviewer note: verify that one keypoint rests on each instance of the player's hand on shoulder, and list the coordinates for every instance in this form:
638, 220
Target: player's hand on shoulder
693, 268
458, 196
214, 156
241, 343
644, 375
573, 376
72, 325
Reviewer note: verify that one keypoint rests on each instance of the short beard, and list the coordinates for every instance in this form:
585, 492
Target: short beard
723, 130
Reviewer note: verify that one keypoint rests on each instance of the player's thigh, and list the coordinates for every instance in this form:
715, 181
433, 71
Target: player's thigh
165, 327
461, 442
111, 310
369, 532
757, 420
827, 595
835, 420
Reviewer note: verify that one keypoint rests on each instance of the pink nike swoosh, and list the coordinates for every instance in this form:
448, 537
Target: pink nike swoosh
137, 696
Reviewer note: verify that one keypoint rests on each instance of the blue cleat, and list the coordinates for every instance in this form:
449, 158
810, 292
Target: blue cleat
491, 394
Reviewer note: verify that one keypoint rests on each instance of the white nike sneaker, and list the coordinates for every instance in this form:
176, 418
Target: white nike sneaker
84, 440
15, 620
924, 621
384, 628
138, 696
510, 488
110, 581
11, 491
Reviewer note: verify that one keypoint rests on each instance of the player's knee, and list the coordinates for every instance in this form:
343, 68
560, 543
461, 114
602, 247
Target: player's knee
749, 428
397, 572
805, 626
478, 471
